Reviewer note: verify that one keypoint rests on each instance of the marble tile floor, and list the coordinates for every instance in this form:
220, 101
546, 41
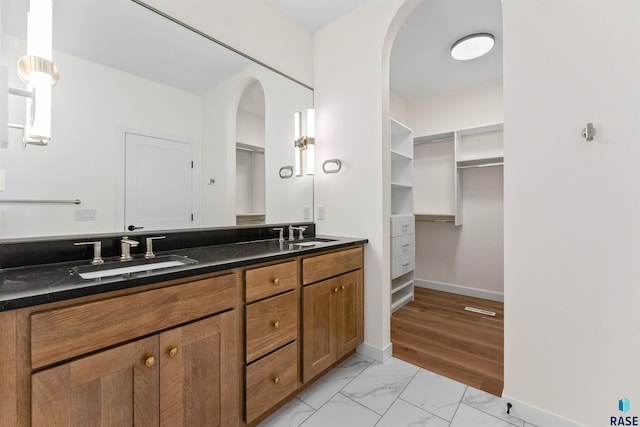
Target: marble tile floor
362, 393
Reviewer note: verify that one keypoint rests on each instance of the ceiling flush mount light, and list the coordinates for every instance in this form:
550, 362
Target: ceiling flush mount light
39, 73
304, 144
472, 46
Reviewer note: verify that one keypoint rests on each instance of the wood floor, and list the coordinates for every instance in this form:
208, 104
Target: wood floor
436, 333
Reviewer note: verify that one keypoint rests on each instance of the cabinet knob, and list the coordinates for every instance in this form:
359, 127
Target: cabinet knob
276, 380
342, 287
150, 362
276, 281
173, 352
276, 324
335, 290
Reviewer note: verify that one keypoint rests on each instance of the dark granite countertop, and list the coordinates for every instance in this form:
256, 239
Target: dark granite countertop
40, 284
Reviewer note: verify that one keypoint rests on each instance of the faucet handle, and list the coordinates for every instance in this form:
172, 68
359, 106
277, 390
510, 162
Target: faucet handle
281, 230
149, 246
97, 251
291, 233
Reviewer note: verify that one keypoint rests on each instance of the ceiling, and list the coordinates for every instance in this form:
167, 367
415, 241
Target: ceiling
420, 63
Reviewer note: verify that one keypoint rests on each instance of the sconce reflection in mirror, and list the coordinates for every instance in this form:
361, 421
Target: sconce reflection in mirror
39, 73
328, 168
306, 143
286, 172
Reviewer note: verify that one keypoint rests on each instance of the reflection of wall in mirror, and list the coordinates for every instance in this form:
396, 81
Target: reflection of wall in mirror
286, 198
80, 161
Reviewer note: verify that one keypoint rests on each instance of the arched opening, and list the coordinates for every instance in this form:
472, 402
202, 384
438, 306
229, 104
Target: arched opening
250, 156
448, 161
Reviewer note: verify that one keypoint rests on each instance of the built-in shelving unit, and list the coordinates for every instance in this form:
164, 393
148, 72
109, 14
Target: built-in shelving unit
476, 147
402, 219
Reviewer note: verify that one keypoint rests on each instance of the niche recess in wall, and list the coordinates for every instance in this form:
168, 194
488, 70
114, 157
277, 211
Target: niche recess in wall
250, 152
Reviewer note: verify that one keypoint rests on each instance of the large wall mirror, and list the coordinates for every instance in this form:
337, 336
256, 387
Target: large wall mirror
140, 97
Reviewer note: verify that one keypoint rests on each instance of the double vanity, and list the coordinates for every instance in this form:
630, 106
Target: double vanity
218, 327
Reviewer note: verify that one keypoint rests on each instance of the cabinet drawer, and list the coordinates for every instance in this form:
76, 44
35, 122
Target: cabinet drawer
401, 225
271, 323
271, 379
64, 333
322, 267
271, 280
402, 264
402, 245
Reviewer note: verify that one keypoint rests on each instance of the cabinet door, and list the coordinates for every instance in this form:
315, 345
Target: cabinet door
319, 327
200, 375
350, 312
116, 387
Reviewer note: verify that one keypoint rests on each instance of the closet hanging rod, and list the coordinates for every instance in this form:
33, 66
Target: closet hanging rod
42, 201
485, 165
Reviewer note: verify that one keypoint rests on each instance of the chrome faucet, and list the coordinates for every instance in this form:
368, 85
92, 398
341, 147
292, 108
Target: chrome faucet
281, 230
97, 249
150, 240
300, 231
125, 245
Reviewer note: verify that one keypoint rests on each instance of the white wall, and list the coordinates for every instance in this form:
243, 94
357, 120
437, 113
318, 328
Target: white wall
254, 27
571, 209
467, 259
352, 124
470, 107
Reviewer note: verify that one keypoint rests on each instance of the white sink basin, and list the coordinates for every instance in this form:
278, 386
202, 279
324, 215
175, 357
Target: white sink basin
315, 241
135, 266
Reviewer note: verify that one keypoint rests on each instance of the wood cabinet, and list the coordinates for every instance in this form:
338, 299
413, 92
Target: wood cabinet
176, 378
88, 371
173, 353
333, 310
271, 336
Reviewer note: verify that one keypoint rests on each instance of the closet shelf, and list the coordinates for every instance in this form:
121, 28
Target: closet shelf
398, 156
401, 301
403, 285
480, 163
430, 217
401, 185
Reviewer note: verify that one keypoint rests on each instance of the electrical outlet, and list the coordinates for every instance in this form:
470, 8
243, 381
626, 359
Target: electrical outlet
320, 213
306, 213
85, 214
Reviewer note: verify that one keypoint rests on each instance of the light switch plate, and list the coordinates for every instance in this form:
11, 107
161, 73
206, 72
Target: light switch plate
306, 213
320, 213
1, 179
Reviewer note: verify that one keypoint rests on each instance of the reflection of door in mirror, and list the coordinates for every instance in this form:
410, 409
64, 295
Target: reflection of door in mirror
250, 153
158, 180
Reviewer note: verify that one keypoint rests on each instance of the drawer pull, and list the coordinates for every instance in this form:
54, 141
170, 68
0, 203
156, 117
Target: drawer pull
406, 265
276, 280
150, 362
335, 290
276, 324
276, 380
173, 352
406, 245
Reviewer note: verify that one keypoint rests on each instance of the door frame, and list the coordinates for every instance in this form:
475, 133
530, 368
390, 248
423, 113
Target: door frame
121, 140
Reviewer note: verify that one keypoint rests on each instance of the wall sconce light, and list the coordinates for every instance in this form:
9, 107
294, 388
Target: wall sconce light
39, 73
306, 143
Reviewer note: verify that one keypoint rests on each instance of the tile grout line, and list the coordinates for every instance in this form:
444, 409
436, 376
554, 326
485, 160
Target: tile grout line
399, 394
430, 413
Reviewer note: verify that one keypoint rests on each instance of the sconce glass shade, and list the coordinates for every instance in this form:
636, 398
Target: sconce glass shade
311, 123
37, 64
472, 46
297, 125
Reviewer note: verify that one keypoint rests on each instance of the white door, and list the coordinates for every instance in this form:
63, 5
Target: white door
158, 179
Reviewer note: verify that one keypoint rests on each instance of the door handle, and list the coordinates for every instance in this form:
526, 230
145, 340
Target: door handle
133, 227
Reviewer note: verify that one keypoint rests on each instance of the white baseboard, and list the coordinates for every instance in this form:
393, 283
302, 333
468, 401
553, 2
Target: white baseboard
536, 416
460, 290
375, 353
